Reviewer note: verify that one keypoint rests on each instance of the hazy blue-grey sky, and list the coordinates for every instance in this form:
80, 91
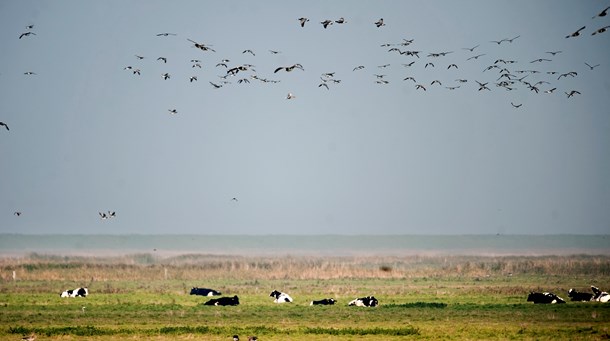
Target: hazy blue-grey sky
87, 135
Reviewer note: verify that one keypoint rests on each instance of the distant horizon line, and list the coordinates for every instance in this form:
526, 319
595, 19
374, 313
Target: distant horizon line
304, 235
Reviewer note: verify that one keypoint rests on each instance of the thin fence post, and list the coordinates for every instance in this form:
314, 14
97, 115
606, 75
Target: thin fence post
14, 275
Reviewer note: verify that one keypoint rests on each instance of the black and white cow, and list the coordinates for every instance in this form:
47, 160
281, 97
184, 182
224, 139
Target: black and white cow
223, 301
78, 292
600, 296
369, 301
326, 301
544, 298
280, 297
205, 292
576, 296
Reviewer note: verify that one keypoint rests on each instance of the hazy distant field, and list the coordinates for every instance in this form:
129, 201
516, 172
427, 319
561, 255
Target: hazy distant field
327, 245
145, 296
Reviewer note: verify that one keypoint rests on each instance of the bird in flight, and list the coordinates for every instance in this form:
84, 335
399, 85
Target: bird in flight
516, 105
202, 47
172, 111
290, 96
601, 30
552, 53
576, 33
602, 13
326, 22
289, 68
2, 124
165, 34
302, 21
17, 213
166, 76
359, 67
379, 23
572, 93
163, 59
476, 57
591, 67
471, 49
26, 34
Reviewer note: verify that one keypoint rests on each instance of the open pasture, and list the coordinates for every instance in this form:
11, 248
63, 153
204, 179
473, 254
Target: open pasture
142, 296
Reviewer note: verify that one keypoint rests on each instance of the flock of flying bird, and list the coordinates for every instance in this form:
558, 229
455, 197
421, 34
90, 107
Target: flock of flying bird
534, 80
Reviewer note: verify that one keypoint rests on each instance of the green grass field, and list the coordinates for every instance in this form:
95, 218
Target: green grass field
436, 297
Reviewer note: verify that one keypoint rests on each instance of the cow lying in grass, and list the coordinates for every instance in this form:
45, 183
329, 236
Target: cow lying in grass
576, 296
280, 297
326, 301
600, 296
369, 301
544, 298
204, 292
223, 301
78, 292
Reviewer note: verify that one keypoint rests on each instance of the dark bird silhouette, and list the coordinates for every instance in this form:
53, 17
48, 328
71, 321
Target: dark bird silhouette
572, 93
591, 67
26, 34
419, 86
511, 39
482, 86
200, 46
216, 86
552, 53
163, 59
2, 124
540, 60
471, 49
249, 51
341, 21
302, 21
452, 65
359, 67
476, 57
601, 30
379, 23
29, 73
17, 213
326, 22
193, 78
139, 57
166, 76
172, 111
602, 13
576, 33
516, 105
289, 68
165, 34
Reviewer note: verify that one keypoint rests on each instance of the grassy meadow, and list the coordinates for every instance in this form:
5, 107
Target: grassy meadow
421, 297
